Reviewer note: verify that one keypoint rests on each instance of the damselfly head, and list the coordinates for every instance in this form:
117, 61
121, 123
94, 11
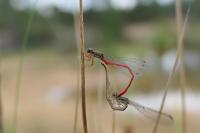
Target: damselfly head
90, 50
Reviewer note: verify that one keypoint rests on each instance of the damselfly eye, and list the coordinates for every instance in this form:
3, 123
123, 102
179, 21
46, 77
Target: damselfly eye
89, 50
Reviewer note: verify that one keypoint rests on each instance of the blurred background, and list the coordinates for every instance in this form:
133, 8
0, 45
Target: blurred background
119, 28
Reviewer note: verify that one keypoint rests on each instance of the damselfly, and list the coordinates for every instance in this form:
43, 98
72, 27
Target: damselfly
127, 64
121, 103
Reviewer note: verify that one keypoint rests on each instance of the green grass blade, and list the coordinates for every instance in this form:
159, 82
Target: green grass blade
20, 70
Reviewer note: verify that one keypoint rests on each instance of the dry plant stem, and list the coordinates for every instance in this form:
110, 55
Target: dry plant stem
182, 70
1, 107
99, 103
178, 18
76, 103
113, 121
183, 93
76, 24
82, 62
180, 40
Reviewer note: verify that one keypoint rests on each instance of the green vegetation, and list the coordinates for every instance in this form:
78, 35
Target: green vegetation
50, 68
102, 27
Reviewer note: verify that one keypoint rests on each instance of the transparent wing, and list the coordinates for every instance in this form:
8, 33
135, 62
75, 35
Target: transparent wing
136, 64
152, 114
120, 76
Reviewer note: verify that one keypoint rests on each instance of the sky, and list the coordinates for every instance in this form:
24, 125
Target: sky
71, 5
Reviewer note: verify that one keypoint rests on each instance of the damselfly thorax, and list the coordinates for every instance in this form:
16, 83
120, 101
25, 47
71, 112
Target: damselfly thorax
92, 53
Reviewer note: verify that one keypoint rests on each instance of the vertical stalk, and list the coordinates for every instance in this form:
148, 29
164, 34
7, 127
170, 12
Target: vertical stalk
1, 107
182, 69
183, 94
76, 103
82, 62
171, 75
20, 71
76, 27
99, 103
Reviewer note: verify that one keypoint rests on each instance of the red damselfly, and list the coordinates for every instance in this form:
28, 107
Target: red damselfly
120, 103
127, 64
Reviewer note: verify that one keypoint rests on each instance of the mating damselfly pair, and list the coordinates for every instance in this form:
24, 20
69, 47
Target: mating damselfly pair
116, 99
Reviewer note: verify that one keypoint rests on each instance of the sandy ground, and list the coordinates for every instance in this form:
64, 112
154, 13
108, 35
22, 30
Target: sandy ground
47, 101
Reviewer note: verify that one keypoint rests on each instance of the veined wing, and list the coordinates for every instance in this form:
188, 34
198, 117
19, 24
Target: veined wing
121, 75
152, 114
137, 65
